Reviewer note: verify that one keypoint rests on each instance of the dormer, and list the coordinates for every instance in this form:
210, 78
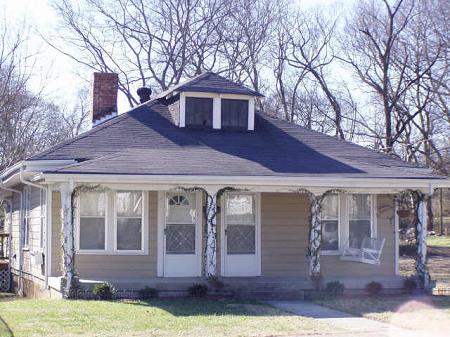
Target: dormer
210, 101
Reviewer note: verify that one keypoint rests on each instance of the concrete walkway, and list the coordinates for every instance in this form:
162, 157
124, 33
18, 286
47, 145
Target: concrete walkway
346, 324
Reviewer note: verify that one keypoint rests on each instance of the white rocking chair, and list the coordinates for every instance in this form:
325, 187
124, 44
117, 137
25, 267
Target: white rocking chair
370, 251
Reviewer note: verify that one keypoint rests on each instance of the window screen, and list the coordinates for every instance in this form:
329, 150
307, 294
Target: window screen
234, 114
199, 112
92, 220
330, 222
359, 219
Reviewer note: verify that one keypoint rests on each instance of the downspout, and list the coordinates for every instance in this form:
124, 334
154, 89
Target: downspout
20, 281
46, 249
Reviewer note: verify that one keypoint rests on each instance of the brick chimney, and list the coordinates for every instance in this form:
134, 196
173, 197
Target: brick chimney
104, 97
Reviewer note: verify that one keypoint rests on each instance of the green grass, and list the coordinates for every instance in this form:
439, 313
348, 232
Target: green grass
175, 317
405, 311
438, 241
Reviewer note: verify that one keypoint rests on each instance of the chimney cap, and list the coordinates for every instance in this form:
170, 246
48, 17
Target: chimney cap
144, 94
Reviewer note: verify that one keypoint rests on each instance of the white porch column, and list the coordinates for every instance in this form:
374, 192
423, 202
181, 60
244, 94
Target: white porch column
315, 236
421, 261
66, 190
211, 233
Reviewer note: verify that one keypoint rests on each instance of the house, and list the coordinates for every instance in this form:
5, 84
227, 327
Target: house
194, 184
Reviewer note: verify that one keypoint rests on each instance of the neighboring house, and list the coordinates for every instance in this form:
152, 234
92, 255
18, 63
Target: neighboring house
194, 183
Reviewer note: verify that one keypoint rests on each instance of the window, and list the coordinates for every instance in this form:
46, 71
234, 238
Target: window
240, 223
330, 223
27, 217
43, 216
129, 221
180, 223
92, 232
360, 219
234, 114
199, 112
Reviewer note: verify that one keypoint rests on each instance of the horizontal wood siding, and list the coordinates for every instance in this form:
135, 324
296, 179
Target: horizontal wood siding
333, 266
284, 232
123, 266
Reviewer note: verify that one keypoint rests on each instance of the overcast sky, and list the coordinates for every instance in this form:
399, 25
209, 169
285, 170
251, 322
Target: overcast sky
60, 75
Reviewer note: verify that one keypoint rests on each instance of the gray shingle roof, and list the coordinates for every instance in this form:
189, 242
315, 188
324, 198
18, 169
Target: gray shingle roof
145, 141
211, 82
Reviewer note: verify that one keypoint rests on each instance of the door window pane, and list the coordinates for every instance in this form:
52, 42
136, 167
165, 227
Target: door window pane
330, 222
240, 239
92, 220
240, 209
199, 112
129, 220
240, 223
180, 239
180, 208
359, 219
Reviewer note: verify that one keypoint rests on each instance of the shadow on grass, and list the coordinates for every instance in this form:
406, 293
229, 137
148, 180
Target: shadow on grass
5, 330
211, 307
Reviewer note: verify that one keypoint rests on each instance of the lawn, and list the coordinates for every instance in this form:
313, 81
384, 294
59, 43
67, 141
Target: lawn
438, 241
409, 312
172, 317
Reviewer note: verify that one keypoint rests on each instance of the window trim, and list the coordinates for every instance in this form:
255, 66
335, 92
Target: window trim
26, 219
143, 217
344, 222
78, 223
339, 219
110, 227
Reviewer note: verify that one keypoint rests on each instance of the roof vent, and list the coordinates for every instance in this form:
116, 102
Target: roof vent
144, 94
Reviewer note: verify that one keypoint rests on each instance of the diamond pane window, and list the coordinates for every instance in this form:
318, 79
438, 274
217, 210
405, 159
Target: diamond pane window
180, 239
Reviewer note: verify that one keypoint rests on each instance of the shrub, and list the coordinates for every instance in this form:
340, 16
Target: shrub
216, 283
147, 293
103, 291
198, 290
374, 288
334, 288
409, 285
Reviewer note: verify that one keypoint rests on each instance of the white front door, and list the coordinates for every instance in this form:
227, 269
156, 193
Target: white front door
241, 235
182, 235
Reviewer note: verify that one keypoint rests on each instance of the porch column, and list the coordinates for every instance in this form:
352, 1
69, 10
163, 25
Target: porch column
66, 191
421, 244
211, 232
315, 236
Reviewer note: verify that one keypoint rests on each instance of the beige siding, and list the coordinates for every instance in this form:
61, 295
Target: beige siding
333, 266
34, 219
284, 232
123, 266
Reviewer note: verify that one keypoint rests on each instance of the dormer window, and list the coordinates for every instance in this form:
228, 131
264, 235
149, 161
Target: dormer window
234, 114
199, 112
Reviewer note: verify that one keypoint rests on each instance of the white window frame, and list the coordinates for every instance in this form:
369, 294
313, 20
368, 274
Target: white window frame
77, 227
111, 227
217, 107
339, 219
344, 222
144, 226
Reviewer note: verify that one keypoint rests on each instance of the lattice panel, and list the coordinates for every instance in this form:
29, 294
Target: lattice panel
240, 239
4, 279
180, 239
